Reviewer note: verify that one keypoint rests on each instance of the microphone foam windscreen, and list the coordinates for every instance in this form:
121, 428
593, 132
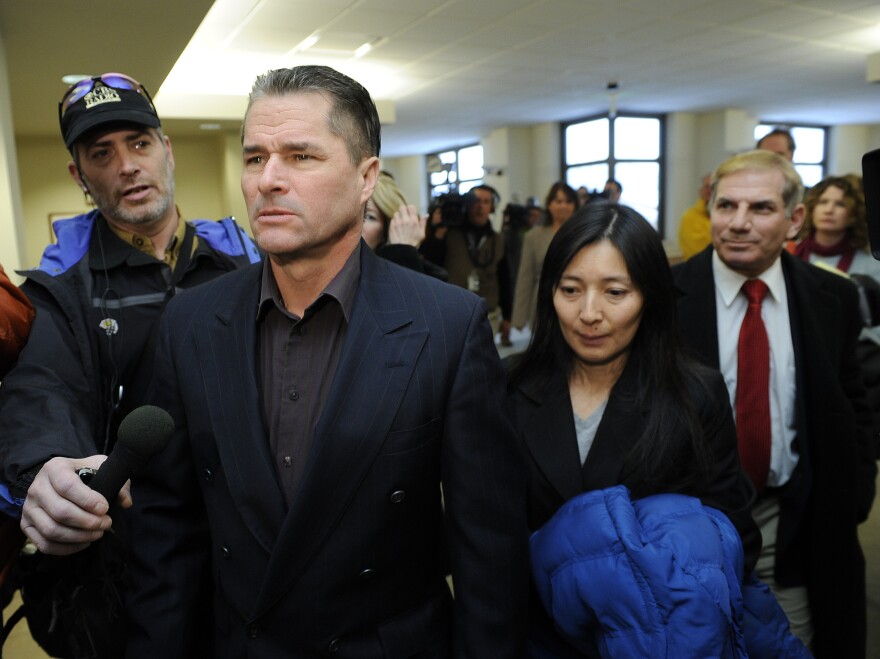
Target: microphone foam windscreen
146, 430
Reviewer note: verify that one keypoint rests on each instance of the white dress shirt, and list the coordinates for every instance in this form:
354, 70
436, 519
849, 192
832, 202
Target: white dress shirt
730, 306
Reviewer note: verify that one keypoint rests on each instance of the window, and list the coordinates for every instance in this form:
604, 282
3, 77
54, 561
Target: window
810, 152
456, 170
627, 148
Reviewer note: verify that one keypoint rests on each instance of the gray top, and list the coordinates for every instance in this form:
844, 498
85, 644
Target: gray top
586, 429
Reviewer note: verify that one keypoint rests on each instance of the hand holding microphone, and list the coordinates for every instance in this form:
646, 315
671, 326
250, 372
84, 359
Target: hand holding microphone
144, 432
60, 516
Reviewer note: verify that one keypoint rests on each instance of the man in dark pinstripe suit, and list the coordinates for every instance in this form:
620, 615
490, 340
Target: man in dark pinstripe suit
320, 399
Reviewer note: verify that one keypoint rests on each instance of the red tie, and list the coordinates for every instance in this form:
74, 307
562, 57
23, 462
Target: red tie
753, 388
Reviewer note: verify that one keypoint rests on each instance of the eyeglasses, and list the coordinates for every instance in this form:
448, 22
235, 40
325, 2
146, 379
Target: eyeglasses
114, 80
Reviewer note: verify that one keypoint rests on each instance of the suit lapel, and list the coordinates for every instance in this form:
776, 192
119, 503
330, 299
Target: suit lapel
226, 353
811, 309
696, 306
379, 354
608, 462
547, 424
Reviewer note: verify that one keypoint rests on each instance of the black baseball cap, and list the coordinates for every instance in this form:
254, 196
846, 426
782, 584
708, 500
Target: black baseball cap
104, 99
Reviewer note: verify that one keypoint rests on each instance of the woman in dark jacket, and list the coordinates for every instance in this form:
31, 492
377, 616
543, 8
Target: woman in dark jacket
604, 394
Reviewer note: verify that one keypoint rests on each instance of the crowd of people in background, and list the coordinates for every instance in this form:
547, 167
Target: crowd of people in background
709, 429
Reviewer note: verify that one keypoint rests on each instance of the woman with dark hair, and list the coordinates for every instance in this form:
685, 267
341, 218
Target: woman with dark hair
605, 396
561, 203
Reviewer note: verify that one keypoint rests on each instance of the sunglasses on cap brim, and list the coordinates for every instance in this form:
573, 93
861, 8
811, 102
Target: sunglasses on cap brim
113, 80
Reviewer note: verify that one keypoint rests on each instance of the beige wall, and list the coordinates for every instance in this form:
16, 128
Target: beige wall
46, 189
411, 177
201, 184
12, 243
199, 179
208, 169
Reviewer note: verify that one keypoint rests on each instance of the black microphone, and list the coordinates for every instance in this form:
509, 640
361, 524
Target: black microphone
144, 431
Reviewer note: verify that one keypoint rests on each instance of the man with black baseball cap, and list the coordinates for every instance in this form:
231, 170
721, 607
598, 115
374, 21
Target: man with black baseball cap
102, 100
98, 293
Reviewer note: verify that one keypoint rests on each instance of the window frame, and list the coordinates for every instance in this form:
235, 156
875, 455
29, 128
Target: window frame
790, 127
453, 187
612, 161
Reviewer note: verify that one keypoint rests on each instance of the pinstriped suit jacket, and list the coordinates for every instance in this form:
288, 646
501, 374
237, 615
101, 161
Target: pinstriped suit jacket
356, 566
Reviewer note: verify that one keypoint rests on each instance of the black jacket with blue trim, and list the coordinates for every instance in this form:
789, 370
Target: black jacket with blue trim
89, 358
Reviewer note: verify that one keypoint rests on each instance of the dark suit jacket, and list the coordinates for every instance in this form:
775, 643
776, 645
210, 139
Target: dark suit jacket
549, 441
832, 487
356, 567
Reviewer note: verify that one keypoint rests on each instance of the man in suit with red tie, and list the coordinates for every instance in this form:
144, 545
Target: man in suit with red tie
320, 399
783, 333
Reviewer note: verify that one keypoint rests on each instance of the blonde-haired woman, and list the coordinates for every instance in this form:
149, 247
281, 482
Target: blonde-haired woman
394, 229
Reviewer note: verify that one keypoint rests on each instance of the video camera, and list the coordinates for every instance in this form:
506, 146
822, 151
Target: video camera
453, 209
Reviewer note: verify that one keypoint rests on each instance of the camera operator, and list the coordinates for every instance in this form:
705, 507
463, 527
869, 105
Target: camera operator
462, 241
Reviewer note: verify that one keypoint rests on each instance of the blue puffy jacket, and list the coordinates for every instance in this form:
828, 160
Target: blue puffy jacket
656, 577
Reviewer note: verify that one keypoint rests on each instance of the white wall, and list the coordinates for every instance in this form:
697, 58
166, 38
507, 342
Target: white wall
545, 157
682, 167
411, 178
847, 145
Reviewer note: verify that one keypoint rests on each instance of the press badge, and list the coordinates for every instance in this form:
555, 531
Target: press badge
474, 282
109, 325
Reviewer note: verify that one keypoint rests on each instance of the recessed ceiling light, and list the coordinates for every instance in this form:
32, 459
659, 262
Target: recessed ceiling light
210, 126
73, 78
308, 42
363, 50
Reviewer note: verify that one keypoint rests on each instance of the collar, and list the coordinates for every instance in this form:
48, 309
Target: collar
729, 282
145, 243
108, 250
341, 288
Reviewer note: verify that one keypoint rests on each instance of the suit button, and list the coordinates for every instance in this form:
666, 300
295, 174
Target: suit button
367, 573
398, 496
252, 631
224, 552
334, 646
209, 476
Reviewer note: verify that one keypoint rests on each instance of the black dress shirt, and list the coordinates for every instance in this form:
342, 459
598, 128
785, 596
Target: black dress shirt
297, 361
